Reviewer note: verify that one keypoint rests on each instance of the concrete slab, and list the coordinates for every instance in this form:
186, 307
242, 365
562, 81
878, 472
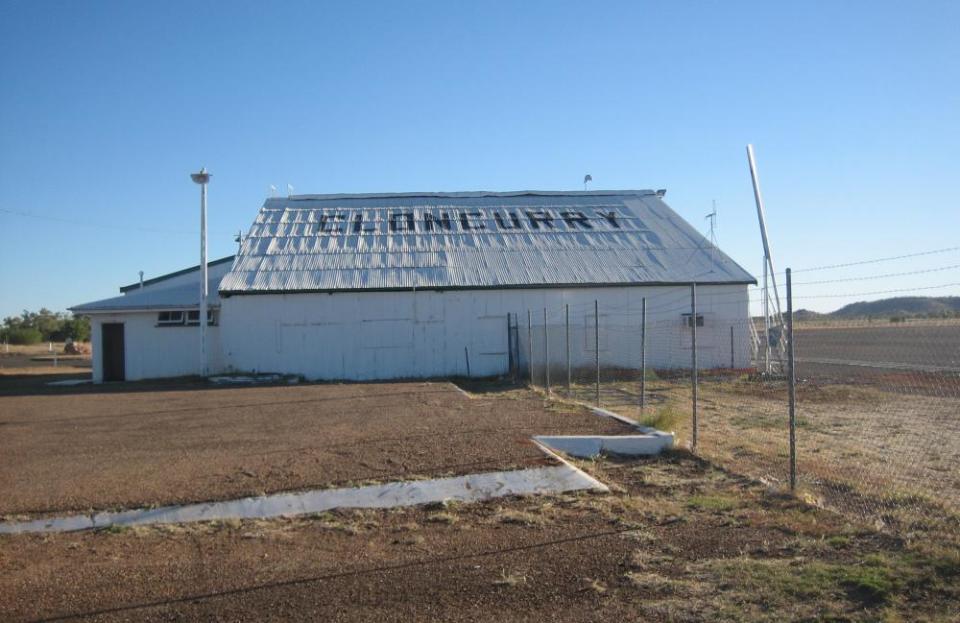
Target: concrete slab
70, 382
471, 488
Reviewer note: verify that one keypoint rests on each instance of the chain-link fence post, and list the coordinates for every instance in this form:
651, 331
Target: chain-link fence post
513, 345
792, 384
733, 365
596, 344
530, 345
693, 363
643, 353
566, 314
546, 352
509, 349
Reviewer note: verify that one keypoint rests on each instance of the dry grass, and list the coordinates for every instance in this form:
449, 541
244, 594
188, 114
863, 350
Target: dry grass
510, 580
886, 457
519, 517
594, 585
795, 560
442, 517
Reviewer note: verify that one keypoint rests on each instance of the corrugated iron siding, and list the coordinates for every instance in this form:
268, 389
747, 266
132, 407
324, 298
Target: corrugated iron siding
472, 240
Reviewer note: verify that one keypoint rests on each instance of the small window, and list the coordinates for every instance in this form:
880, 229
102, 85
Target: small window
590, 333
193, 317
688, 320
170, 318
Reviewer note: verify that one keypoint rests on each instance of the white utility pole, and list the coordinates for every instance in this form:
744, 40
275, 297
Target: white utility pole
769, 274
203, 178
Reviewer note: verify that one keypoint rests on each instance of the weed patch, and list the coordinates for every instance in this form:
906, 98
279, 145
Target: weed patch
712, 503
521, 518
664, 419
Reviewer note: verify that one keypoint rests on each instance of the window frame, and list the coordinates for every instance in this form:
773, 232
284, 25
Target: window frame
195, 320
170, 321
686, 318
182, 318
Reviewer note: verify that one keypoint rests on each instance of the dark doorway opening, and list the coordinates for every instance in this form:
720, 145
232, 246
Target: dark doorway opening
513, 346
114, 368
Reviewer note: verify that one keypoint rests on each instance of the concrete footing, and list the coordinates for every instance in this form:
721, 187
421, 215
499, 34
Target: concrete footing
590, 446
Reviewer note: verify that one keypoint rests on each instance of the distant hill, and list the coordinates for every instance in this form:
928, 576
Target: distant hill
899, 307
803, 315
906, 306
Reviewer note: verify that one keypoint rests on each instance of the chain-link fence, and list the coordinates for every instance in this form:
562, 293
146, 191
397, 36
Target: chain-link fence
879, 403
877, 417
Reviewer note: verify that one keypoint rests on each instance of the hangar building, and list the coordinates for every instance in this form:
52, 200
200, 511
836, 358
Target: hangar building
381, 286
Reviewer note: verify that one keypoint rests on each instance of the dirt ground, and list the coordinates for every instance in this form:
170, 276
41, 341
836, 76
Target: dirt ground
135, 445
676, 540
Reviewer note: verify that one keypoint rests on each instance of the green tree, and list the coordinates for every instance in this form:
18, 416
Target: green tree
48, 325
22, 335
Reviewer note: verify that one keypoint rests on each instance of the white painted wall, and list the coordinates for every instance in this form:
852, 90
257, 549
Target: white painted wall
381, 335
152, 351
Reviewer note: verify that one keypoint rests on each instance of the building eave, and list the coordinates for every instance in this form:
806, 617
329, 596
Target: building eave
550, 286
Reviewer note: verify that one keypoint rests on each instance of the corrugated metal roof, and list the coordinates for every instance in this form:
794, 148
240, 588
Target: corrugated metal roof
472, 240
186, 296
177, 273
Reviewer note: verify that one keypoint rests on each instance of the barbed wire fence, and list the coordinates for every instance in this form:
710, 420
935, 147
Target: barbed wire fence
870, 427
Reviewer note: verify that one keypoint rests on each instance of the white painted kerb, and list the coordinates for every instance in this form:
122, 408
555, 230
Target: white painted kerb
589, 446
649, 443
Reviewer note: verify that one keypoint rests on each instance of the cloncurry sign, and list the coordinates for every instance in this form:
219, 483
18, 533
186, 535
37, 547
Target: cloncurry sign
612, 219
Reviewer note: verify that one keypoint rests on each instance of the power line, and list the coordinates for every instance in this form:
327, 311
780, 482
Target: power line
869, 277
60, 219
875, 260
672, 300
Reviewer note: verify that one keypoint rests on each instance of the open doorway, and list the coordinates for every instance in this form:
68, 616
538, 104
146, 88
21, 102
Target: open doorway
114, 367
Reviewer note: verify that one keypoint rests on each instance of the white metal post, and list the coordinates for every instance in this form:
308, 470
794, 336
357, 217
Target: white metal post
203, 178
643, 353
566, 320
766, 320
596, 343
530, 344
694, 366
546, 352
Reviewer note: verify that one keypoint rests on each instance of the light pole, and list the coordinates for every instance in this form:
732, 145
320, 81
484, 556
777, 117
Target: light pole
203, 178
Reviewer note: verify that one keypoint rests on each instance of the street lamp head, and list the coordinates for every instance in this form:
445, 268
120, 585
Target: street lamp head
202, 177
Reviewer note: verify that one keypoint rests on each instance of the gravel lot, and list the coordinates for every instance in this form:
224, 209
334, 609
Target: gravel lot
136, 445
676, 540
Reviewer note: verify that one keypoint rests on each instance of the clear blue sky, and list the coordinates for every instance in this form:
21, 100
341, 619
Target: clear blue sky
105, 107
